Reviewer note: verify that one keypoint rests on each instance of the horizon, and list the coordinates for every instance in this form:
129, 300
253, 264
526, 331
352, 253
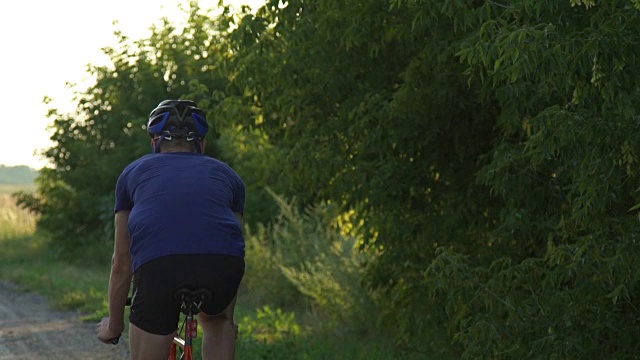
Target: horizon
17, 166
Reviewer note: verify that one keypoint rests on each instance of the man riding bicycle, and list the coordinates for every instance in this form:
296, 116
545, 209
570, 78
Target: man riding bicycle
178, 224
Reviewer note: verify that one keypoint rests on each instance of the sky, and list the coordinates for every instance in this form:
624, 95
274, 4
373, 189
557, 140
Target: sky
47, 44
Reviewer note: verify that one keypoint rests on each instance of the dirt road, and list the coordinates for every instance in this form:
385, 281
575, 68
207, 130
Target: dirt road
30, 329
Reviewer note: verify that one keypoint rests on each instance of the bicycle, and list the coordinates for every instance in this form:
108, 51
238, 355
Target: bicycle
190, 302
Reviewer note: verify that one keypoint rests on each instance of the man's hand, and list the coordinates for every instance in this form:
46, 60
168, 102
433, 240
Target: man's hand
105, 334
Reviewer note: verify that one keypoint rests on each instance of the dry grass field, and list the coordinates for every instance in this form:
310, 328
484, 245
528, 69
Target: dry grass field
14, 221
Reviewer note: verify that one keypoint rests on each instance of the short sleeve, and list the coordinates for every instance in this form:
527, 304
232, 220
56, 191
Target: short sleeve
123, 198
237, 204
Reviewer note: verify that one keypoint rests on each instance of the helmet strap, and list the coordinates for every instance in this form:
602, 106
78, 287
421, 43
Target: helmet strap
155, 144
196, 143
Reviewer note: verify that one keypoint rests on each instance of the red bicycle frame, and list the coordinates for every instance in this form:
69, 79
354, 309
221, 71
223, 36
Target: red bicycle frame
186, 344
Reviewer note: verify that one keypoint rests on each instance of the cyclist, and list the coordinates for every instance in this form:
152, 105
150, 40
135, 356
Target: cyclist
178, 223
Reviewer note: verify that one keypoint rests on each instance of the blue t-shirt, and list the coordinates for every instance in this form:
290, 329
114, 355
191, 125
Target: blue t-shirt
181, 203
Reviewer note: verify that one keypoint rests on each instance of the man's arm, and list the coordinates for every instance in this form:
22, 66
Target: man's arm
119, 281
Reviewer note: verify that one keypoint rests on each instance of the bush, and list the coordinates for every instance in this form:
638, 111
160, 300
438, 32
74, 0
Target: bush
576, 302
264, 282
310, 256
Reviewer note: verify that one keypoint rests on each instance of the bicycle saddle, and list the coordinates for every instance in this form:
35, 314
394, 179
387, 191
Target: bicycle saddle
192, 299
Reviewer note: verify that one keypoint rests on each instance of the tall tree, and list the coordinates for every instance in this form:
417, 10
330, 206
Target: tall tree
500, 134
107, 130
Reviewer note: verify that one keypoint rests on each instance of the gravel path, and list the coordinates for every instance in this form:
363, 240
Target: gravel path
30, 329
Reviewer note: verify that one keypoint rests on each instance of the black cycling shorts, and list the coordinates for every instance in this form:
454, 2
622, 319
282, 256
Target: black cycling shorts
154, 308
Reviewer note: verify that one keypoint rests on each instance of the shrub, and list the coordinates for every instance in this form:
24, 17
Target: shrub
317, 253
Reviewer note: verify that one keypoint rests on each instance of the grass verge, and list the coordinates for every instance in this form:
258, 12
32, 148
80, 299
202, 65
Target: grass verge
27, 262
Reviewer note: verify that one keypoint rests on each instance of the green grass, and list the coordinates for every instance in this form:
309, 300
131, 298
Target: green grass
265, 332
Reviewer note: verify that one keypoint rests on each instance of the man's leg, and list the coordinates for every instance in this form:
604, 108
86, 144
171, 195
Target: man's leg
148, 346
219, 338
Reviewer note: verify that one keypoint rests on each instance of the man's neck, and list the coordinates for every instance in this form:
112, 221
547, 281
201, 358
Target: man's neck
176, 151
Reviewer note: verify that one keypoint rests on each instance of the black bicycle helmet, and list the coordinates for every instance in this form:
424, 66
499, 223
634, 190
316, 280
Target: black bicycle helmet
179, 119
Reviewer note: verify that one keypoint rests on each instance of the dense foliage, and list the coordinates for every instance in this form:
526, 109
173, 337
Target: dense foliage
483, 150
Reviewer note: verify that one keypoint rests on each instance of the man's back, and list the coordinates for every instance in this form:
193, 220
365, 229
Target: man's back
181, 203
